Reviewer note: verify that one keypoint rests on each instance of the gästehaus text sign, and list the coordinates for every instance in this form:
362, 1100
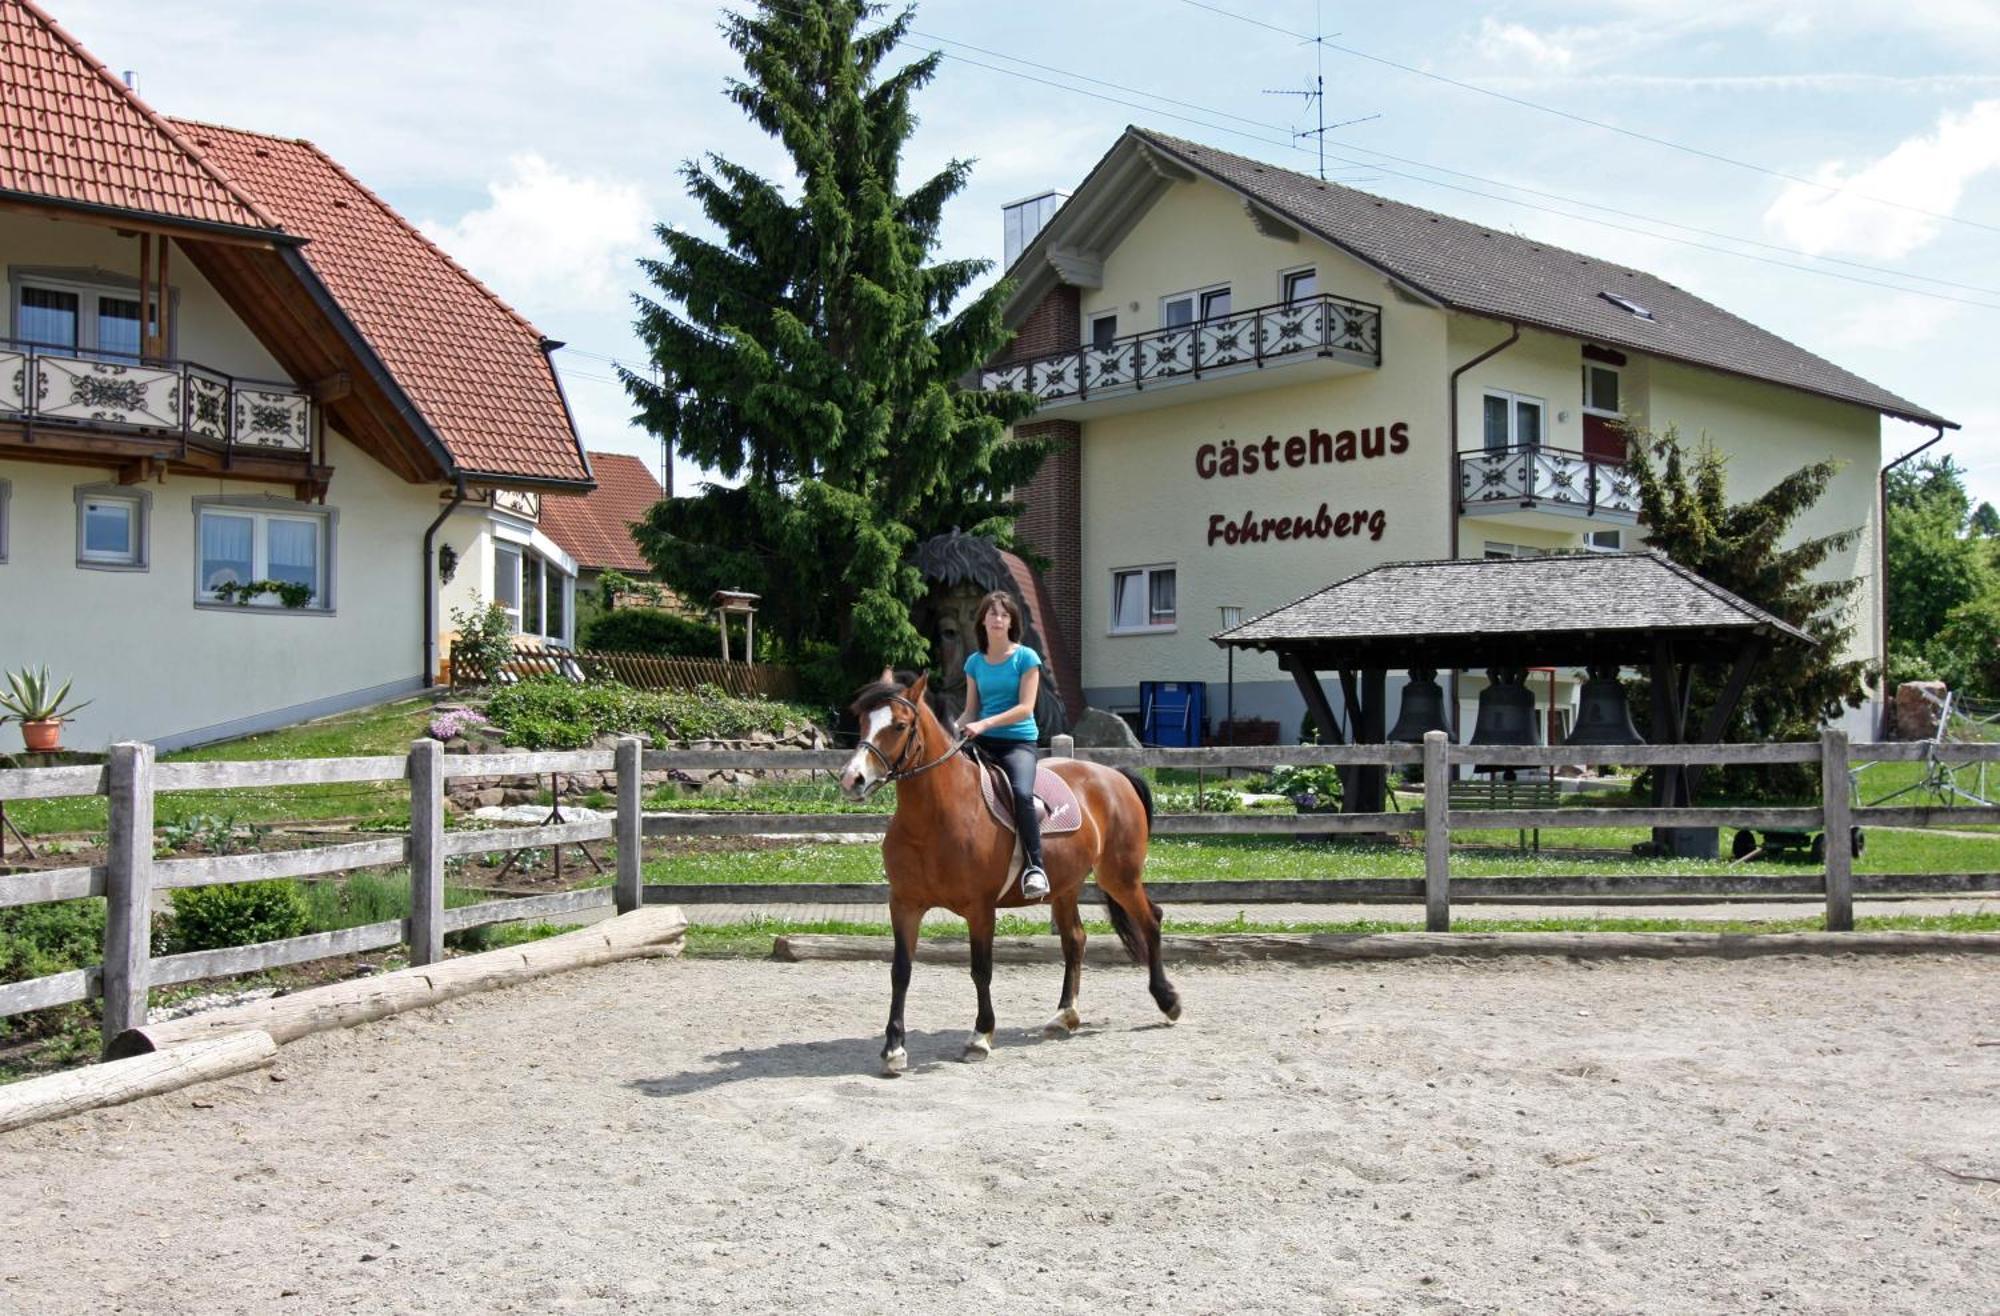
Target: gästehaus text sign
1315, 448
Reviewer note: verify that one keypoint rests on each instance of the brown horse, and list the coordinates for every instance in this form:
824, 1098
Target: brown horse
944, 850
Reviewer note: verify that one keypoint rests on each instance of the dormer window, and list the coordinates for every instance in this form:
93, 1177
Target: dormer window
1627, 305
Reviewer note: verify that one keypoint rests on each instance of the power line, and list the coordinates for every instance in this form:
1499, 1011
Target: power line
1598, 123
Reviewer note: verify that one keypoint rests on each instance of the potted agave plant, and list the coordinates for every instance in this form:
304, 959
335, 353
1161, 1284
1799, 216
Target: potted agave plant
33, 699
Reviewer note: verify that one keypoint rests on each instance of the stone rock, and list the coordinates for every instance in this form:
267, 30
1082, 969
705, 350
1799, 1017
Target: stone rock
1916, 716
1097, 729
488, 798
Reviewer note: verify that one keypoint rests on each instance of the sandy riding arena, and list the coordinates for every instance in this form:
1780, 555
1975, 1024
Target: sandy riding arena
1529, 1135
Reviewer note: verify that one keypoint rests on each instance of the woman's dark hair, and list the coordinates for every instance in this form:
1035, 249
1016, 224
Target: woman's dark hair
1005, 600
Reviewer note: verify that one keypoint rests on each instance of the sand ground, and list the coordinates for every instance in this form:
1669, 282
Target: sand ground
1529, 1136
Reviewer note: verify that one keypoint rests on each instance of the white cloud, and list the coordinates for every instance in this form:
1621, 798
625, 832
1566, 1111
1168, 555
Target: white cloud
1928, 172
549, 240
1510, 44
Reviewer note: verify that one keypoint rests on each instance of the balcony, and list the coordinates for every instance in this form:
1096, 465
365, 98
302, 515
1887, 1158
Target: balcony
50, 388
1553, 480
1342, 335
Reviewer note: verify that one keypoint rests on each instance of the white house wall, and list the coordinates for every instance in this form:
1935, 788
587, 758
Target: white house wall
158, 667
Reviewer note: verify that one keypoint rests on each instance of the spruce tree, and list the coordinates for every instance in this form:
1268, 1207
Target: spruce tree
1740, 546
811, 351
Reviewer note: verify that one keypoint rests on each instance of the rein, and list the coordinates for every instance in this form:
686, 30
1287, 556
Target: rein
896, 771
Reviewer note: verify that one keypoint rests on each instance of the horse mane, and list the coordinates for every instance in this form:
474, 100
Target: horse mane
876, 693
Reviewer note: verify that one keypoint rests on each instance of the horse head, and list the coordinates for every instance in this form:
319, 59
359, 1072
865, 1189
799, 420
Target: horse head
891, 716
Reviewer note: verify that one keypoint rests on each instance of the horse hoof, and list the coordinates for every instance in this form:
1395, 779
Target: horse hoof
1066, 1022
895, 1062
978, 1048
1173, 1013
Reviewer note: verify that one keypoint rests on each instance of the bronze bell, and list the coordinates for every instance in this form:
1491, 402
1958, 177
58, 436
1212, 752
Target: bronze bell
1506, 714
1603, 716
1422, 711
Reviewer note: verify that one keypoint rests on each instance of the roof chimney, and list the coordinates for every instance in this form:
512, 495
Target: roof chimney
132, 81
1023, 219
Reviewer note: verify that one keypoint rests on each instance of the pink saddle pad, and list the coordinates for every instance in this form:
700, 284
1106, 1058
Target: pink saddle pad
1060, 812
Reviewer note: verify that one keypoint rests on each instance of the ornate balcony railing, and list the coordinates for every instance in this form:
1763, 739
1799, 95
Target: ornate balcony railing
110, 390
1534, 476
1322, 326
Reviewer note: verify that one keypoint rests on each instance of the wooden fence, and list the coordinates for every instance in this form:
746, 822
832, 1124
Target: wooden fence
131, 874
641, 671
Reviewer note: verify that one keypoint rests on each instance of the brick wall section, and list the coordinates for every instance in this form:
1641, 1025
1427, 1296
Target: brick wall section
1051, 525
1051, 327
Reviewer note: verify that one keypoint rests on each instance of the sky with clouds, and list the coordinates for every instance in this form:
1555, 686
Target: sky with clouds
540, 144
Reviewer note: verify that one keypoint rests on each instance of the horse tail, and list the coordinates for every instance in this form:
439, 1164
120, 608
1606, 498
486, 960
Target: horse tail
1145, 794
1128, 933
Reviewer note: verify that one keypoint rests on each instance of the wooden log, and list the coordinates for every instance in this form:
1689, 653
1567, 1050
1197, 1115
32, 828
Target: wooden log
277, 772
1837, 832
51, 783
1801, 819
51, 884
427, 852
44, 993
217, 870
1437, 832
655, 931
191, 966
528, 765
1923, 816
128, 885
1542, 756
1919, 751
54, 1096
631, 810
554, 905
741, 760
501, 839
1337, 948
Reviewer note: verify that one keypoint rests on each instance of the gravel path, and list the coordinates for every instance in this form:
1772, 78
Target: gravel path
1534, 1135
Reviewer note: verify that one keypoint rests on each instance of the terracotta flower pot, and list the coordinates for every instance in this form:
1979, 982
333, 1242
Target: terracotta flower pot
42, 736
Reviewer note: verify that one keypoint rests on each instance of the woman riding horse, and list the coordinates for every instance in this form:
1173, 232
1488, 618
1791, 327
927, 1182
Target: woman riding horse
1001, 681
945, 850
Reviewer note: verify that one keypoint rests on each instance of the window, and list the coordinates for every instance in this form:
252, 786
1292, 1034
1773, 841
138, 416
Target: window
1627, 305
1600, 390
1512, 420
1103, 331
78, 316
1184, 308
238, 545
1142, 599
536, 594
507, 583
1604, 541
1298, 285
111, 528
1505, 551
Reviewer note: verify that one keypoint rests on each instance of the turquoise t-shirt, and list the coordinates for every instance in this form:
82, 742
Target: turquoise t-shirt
1000, 689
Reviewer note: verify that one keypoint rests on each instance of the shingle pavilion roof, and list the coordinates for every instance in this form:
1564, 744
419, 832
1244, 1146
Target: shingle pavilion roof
1561, 609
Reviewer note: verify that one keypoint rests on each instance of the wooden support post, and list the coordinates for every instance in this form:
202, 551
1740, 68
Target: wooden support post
128, 889
1314, 694
1837, 828
1062, 747
1369, 730
628, 894
426, 851
146, 295
1437, 833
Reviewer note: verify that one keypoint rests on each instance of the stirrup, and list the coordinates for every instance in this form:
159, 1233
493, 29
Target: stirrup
1034, 883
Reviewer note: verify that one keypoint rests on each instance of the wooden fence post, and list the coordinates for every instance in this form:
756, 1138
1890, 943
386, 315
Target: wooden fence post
1062, 747
629, 892
1437, 832
1837, 829
128, 889
426, 851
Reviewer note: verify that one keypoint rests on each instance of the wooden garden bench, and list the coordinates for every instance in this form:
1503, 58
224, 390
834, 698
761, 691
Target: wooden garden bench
1494, 792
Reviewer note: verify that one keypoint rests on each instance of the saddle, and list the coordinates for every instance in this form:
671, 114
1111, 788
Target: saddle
1060, 812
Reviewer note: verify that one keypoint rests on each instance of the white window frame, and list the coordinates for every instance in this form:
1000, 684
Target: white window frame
84, 284
1591, 545
6, 514
261, 512
1514, 402
141, 503
529, 559
520, 554
1090, 336
1617, 374
1495, 551
1285, 278
1145, 574
1199, 299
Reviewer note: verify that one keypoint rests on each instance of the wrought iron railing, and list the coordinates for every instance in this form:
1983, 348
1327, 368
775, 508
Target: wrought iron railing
1325, 326
113, 390
1532, 475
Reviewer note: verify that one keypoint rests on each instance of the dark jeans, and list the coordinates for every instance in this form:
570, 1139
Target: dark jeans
1018, 758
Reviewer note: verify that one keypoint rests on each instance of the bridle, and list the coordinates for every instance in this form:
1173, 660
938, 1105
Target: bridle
895, 771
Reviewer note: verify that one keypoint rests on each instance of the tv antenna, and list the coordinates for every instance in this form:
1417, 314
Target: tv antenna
1314, 93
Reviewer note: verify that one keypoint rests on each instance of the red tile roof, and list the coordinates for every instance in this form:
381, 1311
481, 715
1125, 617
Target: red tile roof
594, 529
472, 366
71, 131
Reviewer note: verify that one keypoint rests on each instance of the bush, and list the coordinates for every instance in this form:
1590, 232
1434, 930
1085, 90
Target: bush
240, 914
550, 713
485, 639
650, 630
37, 940
1316, 787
